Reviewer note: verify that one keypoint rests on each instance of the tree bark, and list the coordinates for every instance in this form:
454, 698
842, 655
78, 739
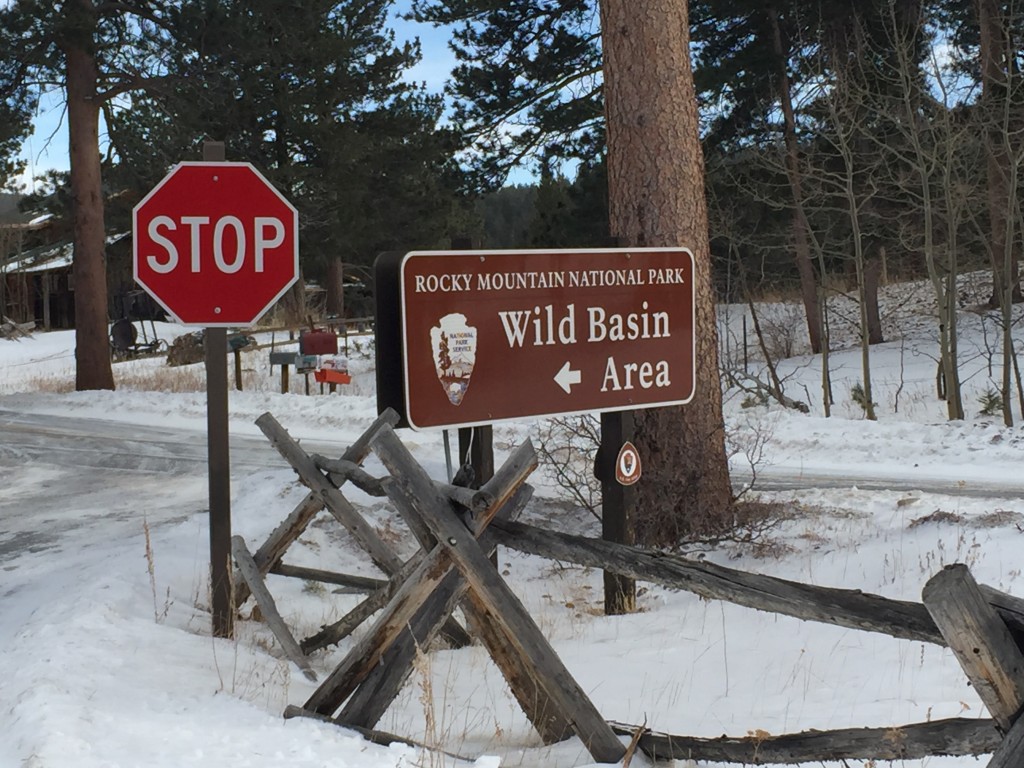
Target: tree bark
293, 303
801, 227
656, 198
335, 288
872, 278
994, 93
92, 350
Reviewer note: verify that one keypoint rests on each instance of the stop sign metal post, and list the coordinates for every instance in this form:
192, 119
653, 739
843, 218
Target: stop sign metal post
216, 246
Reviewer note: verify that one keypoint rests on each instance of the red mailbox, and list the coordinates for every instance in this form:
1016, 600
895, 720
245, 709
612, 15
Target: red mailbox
318, 342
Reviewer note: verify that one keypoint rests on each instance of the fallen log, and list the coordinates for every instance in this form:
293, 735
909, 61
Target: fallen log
428, 514
1010, 754
954, 737
12, 330
273, 549
347, 624
332, 498
980, 640
340, 471
311, 476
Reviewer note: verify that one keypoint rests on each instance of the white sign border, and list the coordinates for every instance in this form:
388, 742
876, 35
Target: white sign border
547, 252
213, 164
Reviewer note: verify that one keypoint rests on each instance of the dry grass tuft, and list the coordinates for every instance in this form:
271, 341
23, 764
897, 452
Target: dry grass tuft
938, 516
55, 385
164, 379
998, 519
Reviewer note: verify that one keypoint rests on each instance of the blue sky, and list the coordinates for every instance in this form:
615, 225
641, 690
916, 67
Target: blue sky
47, 148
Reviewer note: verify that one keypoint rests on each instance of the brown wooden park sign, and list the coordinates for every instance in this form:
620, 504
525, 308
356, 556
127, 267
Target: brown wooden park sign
484, 336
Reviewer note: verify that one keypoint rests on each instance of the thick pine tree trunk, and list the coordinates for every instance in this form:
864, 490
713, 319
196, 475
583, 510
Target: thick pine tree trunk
335, 288
993, 97
92, 350
656, 198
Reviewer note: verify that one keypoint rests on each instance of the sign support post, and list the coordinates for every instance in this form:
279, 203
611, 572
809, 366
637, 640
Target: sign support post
476, 448
216, 245
466, 338
476, 444
218, 449
616, 501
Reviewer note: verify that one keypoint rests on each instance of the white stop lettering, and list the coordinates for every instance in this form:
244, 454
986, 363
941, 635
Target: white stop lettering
225, 266
268, 232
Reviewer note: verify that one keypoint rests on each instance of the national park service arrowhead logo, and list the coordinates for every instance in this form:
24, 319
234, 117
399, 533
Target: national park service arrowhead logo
454, 346
627, 465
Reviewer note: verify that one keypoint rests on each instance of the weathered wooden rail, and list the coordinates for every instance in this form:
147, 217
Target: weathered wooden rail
458, 528
850, 608
983, 627
416, 602
954, 737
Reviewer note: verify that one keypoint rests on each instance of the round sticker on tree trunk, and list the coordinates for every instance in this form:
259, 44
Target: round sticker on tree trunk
627, 465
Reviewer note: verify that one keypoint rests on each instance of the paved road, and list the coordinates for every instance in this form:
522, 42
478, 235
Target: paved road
69, 481
66, 478
788, 479
104, 444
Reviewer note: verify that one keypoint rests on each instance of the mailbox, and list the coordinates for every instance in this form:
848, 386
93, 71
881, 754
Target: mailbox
306, 363
284, 358
318, 343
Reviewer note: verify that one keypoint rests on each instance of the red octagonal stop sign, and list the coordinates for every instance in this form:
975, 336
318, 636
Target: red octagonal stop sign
215, 244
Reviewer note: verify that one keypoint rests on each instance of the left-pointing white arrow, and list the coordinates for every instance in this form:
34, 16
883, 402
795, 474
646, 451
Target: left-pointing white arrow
566, 377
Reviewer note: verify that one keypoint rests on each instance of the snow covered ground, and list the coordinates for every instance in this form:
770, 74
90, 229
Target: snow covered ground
106, 656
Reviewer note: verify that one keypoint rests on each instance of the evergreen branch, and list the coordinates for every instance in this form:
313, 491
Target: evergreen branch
25, 63
535, 98
135, 82
113, 8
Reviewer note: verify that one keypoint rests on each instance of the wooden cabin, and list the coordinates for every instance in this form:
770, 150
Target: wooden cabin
35, 280
38, 285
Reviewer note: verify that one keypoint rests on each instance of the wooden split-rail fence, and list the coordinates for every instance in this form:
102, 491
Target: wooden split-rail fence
458, 529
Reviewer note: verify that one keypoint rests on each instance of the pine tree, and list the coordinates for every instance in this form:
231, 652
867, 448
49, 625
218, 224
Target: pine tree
17, 104
528, 63
505, 216
96, 52
538, 64
656, 198
313, 95
552, 208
